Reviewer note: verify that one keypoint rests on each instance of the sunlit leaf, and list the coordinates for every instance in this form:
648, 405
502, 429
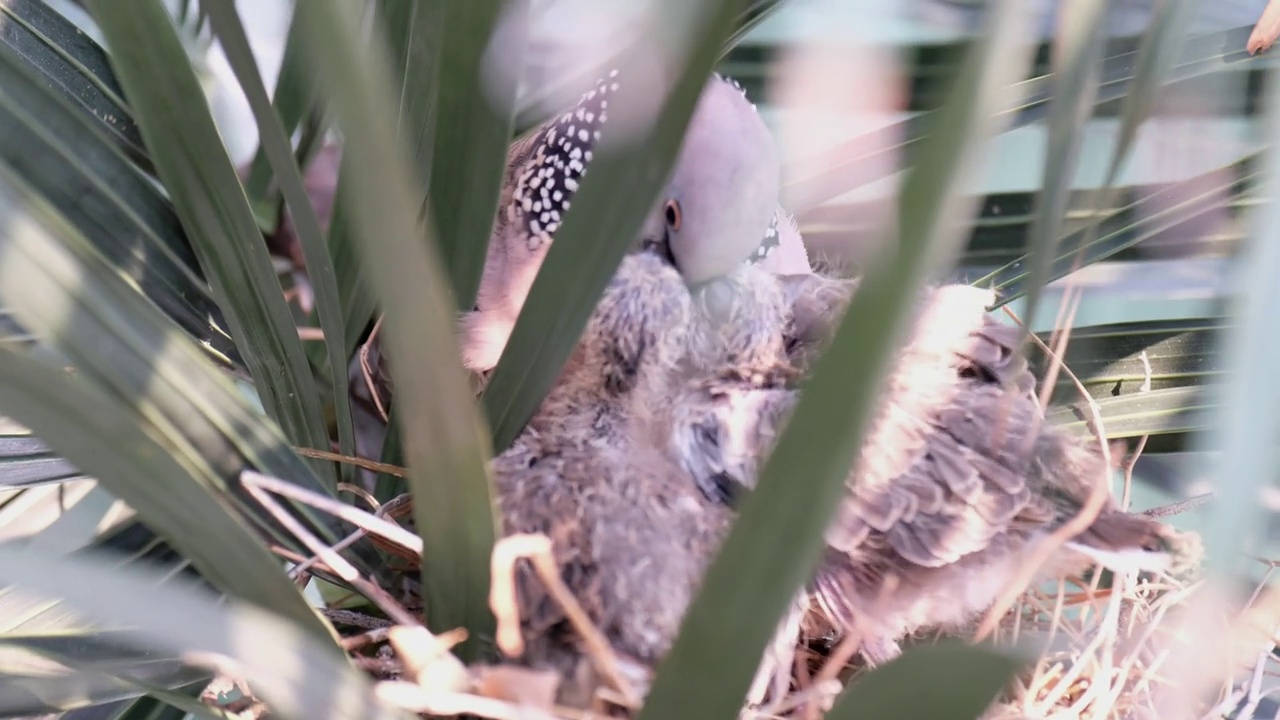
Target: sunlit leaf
74, 66
1077, 54
275, 142
443, 434
1150, 213
293, 99
1244, 424
607, 214
301, 677
861, 159
47, 673
163, 91
58, 151
159, 410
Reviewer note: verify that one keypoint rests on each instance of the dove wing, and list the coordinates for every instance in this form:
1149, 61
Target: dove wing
945, 467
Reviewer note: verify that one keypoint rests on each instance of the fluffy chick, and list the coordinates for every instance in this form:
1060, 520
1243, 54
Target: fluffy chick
630, 532
957, 482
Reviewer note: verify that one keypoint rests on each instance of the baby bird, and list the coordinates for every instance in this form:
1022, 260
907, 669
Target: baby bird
957, 482
630, 533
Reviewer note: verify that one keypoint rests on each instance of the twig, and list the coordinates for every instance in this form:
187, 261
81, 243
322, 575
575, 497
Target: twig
1076, 525
1161, 606
1255, 695
411, 697
800, 666
821, 692
366, 370
1179, 507
1132, 459
1061, 333
356, 460
1225, 707
506, 608
355, 619
378, 665
1015, 633
1094, 410
361, 493
852, 641
1055, 624
371, 637
361, 519
1105, 640
1072, 673
341, 567
427, 657
389, 508
298, 558
839, 658
774, 673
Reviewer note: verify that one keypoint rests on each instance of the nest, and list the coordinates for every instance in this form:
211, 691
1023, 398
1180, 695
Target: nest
1103, 643
1106, 646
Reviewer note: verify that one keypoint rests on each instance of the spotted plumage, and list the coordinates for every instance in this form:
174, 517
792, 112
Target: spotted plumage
562, 150
769, 244
735, 84
780, 223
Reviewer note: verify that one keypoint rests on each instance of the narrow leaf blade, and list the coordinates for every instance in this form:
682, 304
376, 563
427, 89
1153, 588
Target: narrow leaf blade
474, 110
300, 676
776, 542
194, 166
443, 434
607, 214
963, 681
279, 151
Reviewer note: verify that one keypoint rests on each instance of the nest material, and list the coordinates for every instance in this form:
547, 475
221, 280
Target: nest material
1103, 648
1108, 648
1104, 645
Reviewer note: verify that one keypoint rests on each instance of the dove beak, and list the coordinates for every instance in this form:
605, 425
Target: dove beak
660, 246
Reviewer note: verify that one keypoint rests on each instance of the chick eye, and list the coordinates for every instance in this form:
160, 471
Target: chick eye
673, 215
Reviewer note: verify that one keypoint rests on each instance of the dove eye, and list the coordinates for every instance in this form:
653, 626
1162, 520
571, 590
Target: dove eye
673, 214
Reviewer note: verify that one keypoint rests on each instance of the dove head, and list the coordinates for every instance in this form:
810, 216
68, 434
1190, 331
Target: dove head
720, 207
718, 211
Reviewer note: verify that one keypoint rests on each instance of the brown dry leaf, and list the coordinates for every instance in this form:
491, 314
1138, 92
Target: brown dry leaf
1267, 30
518, 685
